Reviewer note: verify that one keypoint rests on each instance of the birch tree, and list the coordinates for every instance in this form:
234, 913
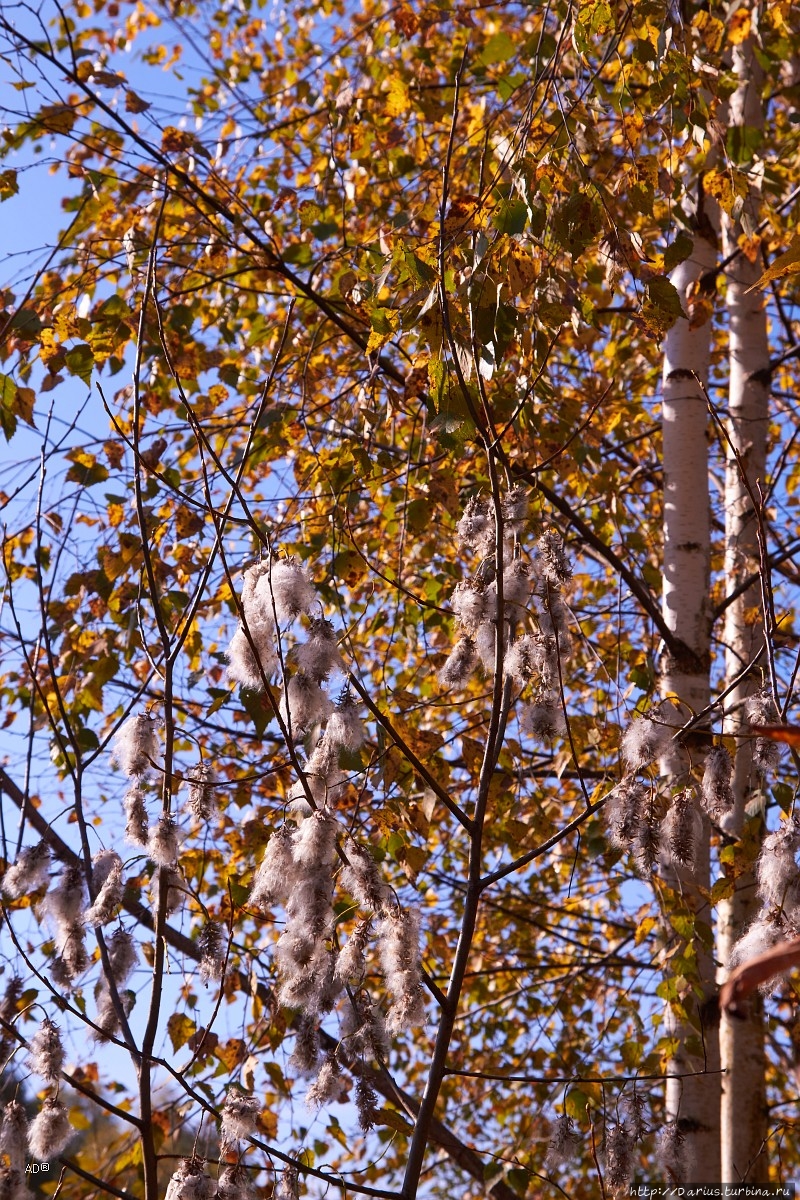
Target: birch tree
373, 651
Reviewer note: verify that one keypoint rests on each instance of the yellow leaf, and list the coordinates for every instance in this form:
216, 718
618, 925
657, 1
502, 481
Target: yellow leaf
397, 101
739, 26
787, 263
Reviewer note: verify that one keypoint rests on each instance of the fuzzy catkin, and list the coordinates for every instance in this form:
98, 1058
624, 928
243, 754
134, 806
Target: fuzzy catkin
671, 1153
366, 1104
14, 1135
361, 878
29, 872
643, 741
107, 878
288, 1186
46, 1052
777, 874
564, 1142
398, 937
619, 1157
50, 1130
305, 1056
213, 948
234, 1183
287, 587
252, 656
553, 561
680, 829
716, 792
136, 820
239, 1118
191, 1182
623, 812
319, 655
162, 842
304, 704
327, 1086
277, 873
460, 664
201, 800
136, 746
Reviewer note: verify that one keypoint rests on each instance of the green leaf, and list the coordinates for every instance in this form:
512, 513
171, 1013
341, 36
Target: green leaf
80, 362
498, 49
678, 251
8, 395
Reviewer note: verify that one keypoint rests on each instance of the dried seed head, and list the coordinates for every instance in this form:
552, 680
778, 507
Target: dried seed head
107, 879
671, 1153
287, 586
50, 1130
190, 1182
47, 1053
319, 655
304, 704
136, 820
515, 510
366, 1104
277, 874
680, 829
460, 665
239, 1118
777, 874
647, 737
761, 710
352, 960
622, 812
633, 1106
202, 800
213, 946
517, 585
646, 845
29, 872
553, 562
564, 1142
136, 746
14, 1135
162, 842
544, 719
398, 940
361, 878
344, 726
474, 604
524, 659
619, 1157
122, 955
234, 1183
328, 1086
305, 1057
476, 527
252, 657
288, 1186
717, 793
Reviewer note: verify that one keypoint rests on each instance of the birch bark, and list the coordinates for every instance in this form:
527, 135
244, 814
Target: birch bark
744, 1113
693, 1103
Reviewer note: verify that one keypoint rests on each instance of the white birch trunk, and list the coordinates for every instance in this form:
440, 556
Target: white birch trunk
693, 1103
744, 1115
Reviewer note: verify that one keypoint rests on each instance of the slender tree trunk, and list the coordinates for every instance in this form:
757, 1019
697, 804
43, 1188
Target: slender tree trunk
693, 1103
744, 1114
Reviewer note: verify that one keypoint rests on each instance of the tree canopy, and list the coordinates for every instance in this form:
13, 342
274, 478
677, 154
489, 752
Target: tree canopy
341, 794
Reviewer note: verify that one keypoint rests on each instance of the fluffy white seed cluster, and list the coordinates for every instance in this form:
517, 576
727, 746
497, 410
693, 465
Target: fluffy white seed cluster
213, 946
532, 597
288, 1186
717, 791
136, 746
64, 904
240, 1114
46, 1052
122, 958
234, 1183
648, 736
136, 819
162, 841
619, 1157
14, 1136
29, 873
761, 710
778, 886
672, 1153
50, 1131
191, 1182
108, 882
398, 940
680, 829
563, 1144
202, 798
